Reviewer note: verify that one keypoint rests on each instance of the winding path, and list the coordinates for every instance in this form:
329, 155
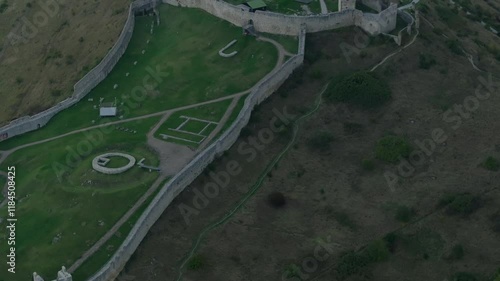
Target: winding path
396, 52
324, 9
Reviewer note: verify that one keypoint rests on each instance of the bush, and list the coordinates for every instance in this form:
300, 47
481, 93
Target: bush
321, 140
496, 276
376, 251
343, 219
492, 164
457, 252
495, 219
390, 148
426, 61
454, 46
277, 199
464, 276
390, 241
350, 263
363, 89
352, 128
196, 262
368, 165
291, 271
3, 6
404, 214
461, 204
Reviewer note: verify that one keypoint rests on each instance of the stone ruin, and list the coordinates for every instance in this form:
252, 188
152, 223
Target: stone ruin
62, 275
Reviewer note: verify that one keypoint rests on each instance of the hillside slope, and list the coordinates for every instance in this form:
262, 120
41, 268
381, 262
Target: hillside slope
46, 46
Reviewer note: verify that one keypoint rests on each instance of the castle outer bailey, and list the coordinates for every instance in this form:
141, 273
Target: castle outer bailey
373, 24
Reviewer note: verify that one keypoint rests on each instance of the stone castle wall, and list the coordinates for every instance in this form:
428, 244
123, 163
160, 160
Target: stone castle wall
276, 23
189, 173
264, 21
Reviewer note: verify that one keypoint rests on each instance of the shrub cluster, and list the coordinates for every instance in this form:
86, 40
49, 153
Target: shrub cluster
363, 89
390, 148
353, 262
426, 61
277, 199
492, 164
321, 140
461, 204
196, 262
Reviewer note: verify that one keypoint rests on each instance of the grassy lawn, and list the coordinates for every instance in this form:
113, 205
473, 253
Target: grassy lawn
63, 206
210, 112
185, 50
97, 260
333, 5
234, 114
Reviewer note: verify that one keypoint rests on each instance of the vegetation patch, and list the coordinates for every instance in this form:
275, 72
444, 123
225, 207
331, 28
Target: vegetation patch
424, 243
461, 204
363, 89
276, 199
426, 61
368, 165
321, 140
464, 276
196, 262
343, 219
391, 148
456, 253
492, 164
404, 213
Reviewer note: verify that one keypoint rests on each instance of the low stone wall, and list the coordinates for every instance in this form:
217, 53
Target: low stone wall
275, 23
112, 171
189, 173
88, 82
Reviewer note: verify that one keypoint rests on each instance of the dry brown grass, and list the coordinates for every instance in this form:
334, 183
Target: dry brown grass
37, 73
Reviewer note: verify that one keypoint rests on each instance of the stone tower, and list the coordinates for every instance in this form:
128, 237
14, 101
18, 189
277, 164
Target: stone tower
347, 5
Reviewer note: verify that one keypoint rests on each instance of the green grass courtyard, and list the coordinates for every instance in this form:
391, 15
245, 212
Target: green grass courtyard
63, 206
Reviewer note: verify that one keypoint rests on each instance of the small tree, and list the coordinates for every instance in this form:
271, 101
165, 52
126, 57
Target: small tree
492, 164
277, 199
196, 262
390, 148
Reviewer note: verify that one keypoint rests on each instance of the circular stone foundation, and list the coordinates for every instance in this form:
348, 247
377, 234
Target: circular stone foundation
112, 171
